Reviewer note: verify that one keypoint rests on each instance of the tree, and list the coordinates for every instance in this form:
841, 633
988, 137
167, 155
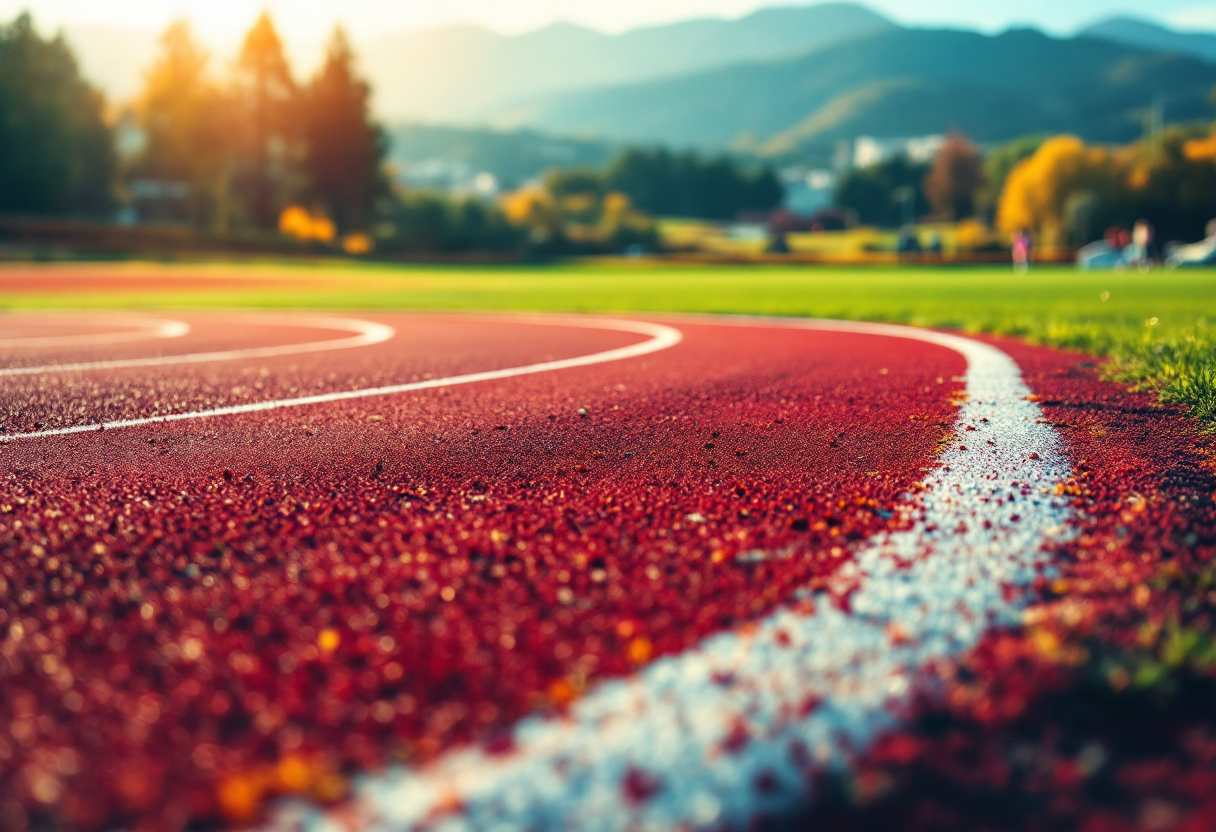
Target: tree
1041, 194
345, 149
887, 194
999, 163
183, 116
661, 182
427, 222
579, 192
955, 179
265, 85
536, 209
1068, 192
1174, 182
56, 150
565, 182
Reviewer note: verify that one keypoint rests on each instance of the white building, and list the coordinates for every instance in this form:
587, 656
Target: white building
455, 178
868, 150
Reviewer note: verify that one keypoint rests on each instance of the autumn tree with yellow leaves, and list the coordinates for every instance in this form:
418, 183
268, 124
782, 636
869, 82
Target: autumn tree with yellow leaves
1069, 192
1043, 192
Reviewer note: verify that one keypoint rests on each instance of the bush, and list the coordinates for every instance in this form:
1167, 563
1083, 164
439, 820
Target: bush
663, 183
877, 193
430, 223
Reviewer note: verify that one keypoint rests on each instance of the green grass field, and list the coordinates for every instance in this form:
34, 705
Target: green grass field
1154, 328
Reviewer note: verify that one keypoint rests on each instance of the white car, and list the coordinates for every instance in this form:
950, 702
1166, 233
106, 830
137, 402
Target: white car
1197, 254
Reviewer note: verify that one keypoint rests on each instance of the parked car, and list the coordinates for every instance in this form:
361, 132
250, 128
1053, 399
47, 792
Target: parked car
1202, 253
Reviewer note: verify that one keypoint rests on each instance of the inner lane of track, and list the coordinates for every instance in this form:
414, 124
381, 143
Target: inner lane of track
387, 577
67, 393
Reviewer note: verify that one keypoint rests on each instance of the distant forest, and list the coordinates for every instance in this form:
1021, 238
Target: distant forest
258, 151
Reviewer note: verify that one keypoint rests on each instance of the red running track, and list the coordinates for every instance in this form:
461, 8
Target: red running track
1100, 714
316, 591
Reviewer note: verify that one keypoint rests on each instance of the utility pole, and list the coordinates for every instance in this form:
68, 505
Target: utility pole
1156, 120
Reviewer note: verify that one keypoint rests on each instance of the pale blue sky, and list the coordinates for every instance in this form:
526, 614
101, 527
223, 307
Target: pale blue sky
221, 21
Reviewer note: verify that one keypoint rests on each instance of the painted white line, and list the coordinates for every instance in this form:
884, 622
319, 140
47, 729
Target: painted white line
146, 329
761, 706
366, 334
660, 337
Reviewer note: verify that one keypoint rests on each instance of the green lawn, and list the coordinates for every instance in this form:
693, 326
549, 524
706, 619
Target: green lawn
1155, 328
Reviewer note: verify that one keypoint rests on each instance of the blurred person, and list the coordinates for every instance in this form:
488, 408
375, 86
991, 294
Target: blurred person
1140, 252
908, 242
779, 244
1021, 250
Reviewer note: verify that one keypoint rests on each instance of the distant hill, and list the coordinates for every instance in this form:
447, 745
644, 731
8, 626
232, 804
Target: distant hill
513, 156
787, 80
462, 73
1146, 35
895, 83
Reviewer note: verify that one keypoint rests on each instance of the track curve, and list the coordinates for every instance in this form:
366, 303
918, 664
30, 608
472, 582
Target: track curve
145, 329
328, 585
366, 334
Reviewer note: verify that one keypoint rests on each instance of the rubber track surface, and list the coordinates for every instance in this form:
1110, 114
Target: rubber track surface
1100, 715
200, 615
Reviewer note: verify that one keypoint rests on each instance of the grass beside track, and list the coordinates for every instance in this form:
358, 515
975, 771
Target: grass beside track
1156, 328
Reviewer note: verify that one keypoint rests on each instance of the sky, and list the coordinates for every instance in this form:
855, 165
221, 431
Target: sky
223, 21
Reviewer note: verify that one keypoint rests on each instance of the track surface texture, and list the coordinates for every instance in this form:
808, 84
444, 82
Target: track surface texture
472, 566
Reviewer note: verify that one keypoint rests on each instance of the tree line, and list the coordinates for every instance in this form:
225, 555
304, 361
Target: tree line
1062, 190
258, 148
258, 141
244, 146
56, 150
664, 183
1069, 193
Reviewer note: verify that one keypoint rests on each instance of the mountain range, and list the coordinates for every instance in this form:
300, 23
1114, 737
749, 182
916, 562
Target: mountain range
1144, 34
897, 82
778, 81
464, 73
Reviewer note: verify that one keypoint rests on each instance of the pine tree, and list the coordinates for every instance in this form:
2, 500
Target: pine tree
345, 148
185, 120
265, 85
56, 149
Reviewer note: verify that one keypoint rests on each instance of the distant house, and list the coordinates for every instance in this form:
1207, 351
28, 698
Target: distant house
161, 203
807, 191
868, 151
450, 177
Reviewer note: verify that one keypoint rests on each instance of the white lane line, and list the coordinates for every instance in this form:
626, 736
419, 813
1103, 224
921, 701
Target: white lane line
366, 334
729, 729
660, 337
147, 329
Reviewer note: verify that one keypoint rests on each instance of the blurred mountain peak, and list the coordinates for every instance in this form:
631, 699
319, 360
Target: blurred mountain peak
437, 76
1148, 34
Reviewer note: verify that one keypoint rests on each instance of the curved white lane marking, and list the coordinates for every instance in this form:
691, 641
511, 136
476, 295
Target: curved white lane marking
798, 690
147, 329
661, 337
366, 334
